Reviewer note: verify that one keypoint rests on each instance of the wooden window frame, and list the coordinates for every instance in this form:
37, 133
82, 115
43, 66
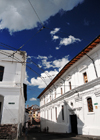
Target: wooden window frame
85, 77
70, 86
90, 104
1, 72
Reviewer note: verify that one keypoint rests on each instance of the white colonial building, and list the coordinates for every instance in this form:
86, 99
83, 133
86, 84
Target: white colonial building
71, 102
12, 90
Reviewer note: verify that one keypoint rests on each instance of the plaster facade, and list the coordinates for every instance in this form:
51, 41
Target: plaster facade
65, 104
12, 97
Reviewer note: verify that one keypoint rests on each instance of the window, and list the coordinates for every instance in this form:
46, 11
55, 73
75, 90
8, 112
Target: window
56, 112
44, 100
47, 114
85, 77
1, 73
50, 97
70, 87
62, 112
90, 106
55, 94
51, 114
61, 91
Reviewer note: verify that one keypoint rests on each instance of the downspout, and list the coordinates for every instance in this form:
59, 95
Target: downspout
93, 65
64, 83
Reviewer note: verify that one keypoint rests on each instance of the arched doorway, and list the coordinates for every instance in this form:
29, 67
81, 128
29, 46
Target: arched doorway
1, 107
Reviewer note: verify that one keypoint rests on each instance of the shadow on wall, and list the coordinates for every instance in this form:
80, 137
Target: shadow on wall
65, 121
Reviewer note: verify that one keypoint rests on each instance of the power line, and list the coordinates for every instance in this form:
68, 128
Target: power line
27, 41
7, 45
37, 74
24, 64
40, 19
35, 12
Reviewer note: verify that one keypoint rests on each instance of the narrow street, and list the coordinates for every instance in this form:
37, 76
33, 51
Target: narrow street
35, 134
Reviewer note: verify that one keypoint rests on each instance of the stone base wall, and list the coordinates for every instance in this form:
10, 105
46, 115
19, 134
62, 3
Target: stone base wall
8, 131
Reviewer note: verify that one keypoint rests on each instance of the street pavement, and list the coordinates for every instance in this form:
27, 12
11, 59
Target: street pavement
35, 134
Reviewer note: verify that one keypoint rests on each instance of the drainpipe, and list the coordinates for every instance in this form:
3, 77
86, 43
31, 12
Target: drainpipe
93, 65
64, 83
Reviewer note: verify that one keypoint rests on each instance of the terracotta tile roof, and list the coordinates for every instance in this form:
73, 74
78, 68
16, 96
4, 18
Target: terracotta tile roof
75, 59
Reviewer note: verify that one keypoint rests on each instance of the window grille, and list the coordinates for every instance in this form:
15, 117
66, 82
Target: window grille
90, 106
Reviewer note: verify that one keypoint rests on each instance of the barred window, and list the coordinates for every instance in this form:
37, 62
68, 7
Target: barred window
61, 91
1, 73
85, 77
90, 106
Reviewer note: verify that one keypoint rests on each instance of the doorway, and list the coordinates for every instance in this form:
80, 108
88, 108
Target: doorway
0, 112
73, 120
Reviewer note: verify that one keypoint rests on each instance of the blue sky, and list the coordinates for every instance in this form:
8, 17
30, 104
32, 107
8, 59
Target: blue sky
70, 25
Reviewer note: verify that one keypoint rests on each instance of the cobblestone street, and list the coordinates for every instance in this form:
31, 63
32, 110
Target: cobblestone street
35, 134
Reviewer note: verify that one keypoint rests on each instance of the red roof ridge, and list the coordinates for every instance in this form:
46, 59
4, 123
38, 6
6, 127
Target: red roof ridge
76, 58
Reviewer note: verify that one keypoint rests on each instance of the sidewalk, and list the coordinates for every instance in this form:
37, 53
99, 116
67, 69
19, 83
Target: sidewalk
89, 137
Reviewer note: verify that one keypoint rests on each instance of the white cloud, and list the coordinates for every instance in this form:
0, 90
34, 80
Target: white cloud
47, 76
43, 57
33, 99
55, 37
71, 39
17, 15
57, 48
26, 79
45, 79
59, 63
54, 31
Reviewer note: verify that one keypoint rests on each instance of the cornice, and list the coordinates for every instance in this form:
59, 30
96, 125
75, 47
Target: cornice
83, 89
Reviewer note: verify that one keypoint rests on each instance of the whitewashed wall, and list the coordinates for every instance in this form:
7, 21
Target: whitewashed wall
88, 123
11, 88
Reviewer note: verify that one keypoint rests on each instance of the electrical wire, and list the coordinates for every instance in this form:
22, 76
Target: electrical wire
48, 75
37, 74
40, 19
35, 12
4, 53
7, 45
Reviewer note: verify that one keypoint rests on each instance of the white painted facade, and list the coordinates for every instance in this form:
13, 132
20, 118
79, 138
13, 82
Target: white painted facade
74, 101
11, 88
